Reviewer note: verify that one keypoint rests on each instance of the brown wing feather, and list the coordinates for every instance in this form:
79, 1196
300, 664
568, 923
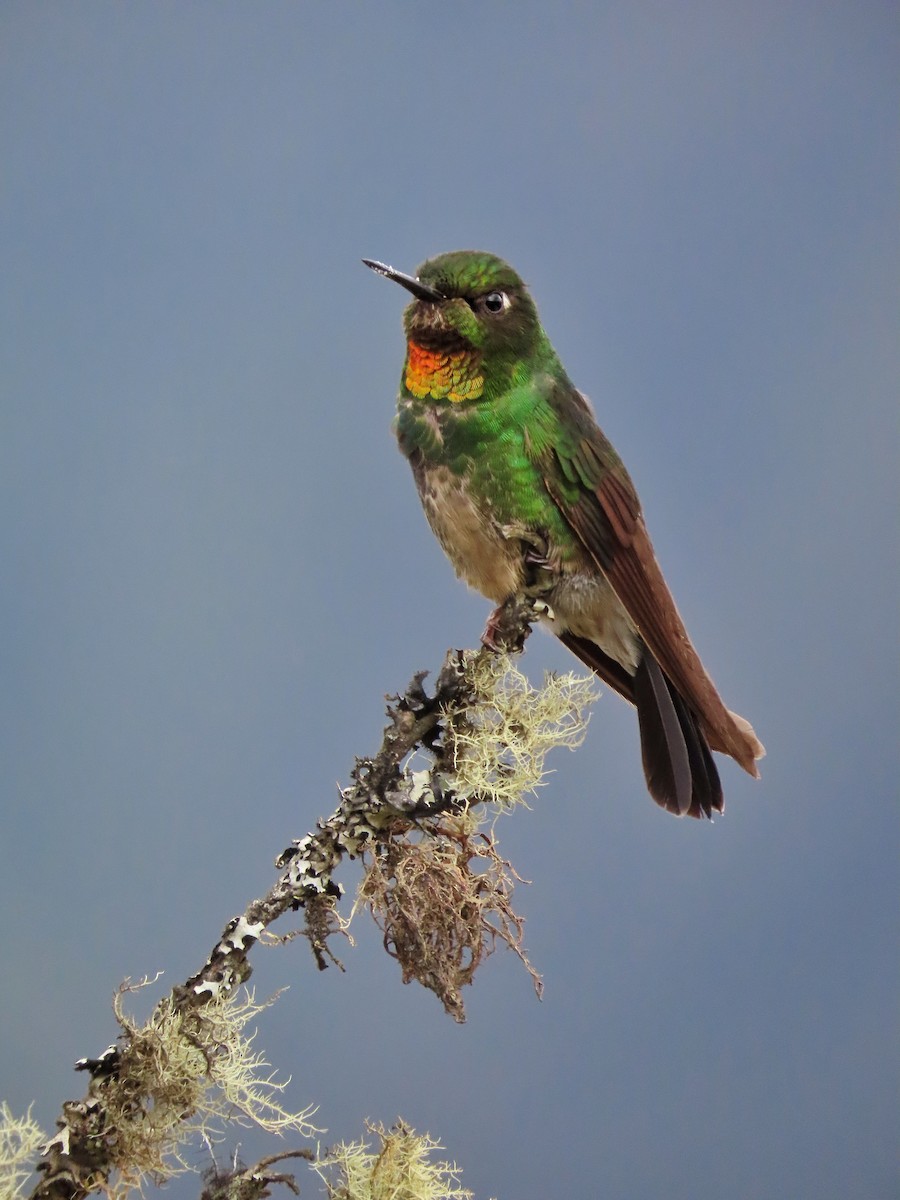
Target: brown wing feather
607, 520
638, 581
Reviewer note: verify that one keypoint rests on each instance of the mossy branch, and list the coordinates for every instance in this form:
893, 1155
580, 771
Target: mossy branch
484, 731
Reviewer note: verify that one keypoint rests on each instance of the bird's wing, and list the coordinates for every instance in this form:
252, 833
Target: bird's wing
591, 488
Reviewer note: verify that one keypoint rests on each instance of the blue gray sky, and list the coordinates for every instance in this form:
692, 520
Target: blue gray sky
215, 563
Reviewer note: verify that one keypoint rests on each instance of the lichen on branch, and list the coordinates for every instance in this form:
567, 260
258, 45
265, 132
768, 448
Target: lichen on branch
20, 1138
435, 882
498, 739
443, 901
401, 1167
187, 1071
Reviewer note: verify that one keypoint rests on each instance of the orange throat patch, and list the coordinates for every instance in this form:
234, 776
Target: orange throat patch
443, 376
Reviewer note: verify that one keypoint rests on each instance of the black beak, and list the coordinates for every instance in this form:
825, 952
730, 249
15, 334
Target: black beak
421, 291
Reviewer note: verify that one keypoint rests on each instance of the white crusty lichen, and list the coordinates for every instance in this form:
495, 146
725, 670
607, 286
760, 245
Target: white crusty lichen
400, 1168
20, 1141
498, 740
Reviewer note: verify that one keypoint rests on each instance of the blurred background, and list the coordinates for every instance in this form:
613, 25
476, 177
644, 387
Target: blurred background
214, 562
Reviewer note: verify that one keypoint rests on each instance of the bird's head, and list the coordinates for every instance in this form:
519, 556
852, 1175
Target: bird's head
472, 317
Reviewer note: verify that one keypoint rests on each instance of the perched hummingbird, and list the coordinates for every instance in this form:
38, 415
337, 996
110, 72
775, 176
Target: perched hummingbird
516, 477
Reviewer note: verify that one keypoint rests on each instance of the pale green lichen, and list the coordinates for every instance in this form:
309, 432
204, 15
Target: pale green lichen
184, 1073
20, 1141
499, 740
400, 1169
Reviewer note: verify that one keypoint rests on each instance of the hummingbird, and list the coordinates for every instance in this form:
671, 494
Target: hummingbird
519, 483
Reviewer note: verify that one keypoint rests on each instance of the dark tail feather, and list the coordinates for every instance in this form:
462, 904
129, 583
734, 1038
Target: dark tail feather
667, 765
680, 772
706, 796
607, 668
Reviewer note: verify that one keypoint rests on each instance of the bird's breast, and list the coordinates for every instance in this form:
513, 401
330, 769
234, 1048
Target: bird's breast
488, 506
469, 533
489, 557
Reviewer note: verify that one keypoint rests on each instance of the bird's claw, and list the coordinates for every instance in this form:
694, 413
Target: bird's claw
492, 638
535, 558
536, 543
509, 625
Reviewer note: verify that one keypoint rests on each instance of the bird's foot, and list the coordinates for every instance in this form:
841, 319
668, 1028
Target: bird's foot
535, 559
535, 542
510, 623
492, 638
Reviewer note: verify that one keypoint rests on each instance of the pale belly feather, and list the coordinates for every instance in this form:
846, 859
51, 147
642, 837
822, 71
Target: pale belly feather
475, 544
489, 559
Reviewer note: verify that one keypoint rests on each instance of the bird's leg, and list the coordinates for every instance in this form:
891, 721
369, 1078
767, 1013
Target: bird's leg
510, 624
537, 570
491, 639
537, 582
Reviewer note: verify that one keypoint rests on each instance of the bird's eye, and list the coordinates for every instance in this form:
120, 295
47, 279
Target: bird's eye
494, 302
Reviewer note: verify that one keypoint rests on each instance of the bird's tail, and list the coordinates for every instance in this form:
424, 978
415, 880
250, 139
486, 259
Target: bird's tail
681, 774
678, 764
